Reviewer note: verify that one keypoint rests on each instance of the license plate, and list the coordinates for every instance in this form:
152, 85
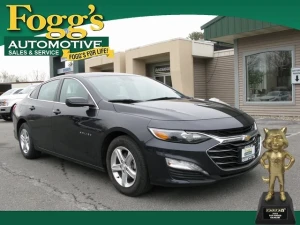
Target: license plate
248, 153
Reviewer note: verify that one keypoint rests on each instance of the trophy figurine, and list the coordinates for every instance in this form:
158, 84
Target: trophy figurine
276, 207
276, 142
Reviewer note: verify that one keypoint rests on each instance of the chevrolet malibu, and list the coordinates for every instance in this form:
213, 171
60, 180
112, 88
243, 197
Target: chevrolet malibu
140, 131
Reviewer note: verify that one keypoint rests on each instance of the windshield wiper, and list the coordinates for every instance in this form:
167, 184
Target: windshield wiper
124, 101
163, 98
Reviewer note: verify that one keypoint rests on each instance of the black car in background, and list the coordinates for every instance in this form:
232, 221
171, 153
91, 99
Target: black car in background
140, 131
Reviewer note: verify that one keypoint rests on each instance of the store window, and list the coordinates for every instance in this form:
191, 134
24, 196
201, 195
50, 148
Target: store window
268, 77
162, 74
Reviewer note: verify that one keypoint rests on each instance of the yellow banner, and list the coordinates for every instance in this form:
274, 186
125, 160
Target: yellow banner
88, 53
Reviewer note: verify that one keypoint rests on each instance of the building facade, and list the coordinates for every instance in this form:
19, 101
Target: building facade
255, 75
191, 67
264, 56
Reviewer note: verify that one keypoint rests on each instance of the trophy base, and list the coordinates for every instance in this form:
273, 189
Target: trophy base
275, 211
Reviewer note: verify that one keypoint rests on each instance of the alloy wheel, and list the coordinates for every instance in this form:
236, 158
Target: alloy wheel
25, 141
123, 166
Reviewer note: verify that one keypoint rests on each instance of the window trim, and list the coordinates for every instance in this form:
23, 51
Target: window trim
59, 90
275, 103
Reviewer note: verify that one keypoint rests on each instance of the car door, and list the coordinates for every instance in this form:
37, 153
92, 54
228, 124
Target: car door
40, 109
74, 132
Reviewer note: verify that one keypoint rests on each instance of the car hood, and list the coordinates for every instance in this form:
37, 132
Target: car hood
16, 96
179, 109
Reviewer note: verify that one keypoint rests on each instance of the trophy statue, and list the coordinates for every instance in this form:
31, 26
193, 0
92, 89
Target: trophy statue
275, 207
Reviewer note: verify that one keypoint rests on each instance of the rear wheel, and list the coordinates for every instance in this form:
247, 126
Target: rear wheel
25, 142
126, 167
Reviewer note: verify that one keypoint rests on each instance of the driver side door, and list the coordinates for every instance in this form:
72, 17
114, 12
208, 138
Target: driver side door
74, 132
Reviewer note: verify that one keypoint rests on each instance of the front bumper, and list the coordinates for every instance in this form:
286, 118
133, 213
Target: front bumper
5, 110
161, 174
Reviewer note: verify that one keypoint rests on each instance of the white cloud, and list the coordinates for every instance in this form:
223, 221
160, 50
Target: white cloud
123, 34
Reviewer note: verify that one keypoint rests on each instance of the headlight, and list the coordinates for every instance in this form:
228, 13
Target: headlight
4, 102
178, 136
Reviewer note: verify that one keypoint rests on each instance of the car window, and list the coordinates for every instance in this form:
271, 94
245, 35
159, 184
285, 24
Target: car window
131, 87
34, 93
72, 88
18, 91
28, 89
48, 91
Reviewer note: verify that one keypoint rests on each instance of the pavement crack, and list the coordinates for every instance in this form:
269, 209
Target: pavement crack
71, 196
63, 167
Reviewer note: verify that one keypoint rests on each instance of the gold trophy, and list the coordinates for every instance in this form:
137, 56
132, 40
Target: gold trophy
276, 207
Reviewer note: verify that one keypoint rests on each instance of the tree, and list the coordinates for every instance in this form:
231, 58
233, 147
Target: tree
255, 77
36, 75
5, 77
196, 35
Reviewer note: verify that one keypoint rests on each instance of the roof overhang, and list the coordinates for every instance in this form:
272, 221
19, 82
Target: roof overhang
227, 29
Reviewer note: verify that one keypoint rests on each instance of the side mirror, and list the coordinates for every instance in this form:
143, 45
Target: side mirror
78, 102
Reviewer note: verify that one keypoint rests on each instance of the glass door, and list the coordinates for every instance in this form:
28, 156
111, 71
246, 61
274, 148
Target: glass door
166, 79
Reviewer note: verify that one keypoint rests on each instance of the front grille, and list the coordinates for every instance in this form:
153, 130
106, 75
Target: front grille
186, 174
228, 155
2, 103
231, 132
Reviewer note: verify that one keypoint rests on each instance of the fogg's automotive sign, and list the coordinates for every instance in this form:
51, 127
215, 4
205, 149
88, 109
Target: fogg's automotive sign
57, 41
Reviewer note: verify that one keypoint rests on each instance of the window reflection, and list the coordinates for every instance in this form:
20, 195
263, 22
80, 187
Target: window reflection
268, 76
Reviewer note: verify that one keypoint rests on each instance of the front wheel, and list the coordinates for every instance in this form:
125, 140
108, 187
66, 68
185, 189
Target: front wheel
26, 144
127, 167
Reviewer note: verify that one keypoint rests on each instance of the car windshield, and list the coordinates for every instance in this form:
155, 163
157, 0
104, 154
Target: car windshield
9, 92
132, 88
28, 89
273, 93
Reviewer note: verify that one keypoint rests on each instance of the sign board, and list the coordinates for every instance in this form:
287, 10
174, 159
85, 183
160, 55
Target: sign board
165, 69
65, 70
296, 76
62, 59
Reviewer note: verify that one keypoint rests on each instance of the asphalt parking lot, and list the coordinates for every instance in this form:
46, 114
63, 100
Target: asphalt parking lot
50, 183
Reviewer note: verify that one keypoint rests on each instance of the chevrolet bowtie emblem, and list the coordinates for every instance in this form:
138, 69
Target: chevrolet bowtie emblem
246, 137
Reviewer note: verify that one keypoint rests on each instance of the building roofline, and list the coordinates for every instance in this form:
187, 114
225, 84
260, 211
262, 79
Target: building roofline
173, 39
211, 22
102, 56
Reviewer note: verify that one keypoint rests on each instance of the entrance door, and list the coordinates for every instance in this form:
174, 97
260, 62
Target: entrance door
162, 74
166, 79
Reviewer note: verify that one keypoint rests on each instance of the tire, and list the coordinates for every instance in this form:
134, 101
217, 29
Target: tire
133, 163
6, 118
26, 143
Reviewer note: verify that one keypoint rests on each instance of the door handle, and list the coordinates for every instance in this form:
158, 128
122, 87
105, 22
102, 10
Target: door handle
56, 112
32, 108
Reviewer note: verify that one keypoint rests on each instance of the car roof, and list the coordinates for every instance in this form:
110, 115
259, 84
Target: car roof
95, 74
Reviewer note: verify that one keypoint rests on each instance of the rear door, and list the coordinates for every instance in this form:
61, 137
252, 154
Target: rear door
40, 112
74, 130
